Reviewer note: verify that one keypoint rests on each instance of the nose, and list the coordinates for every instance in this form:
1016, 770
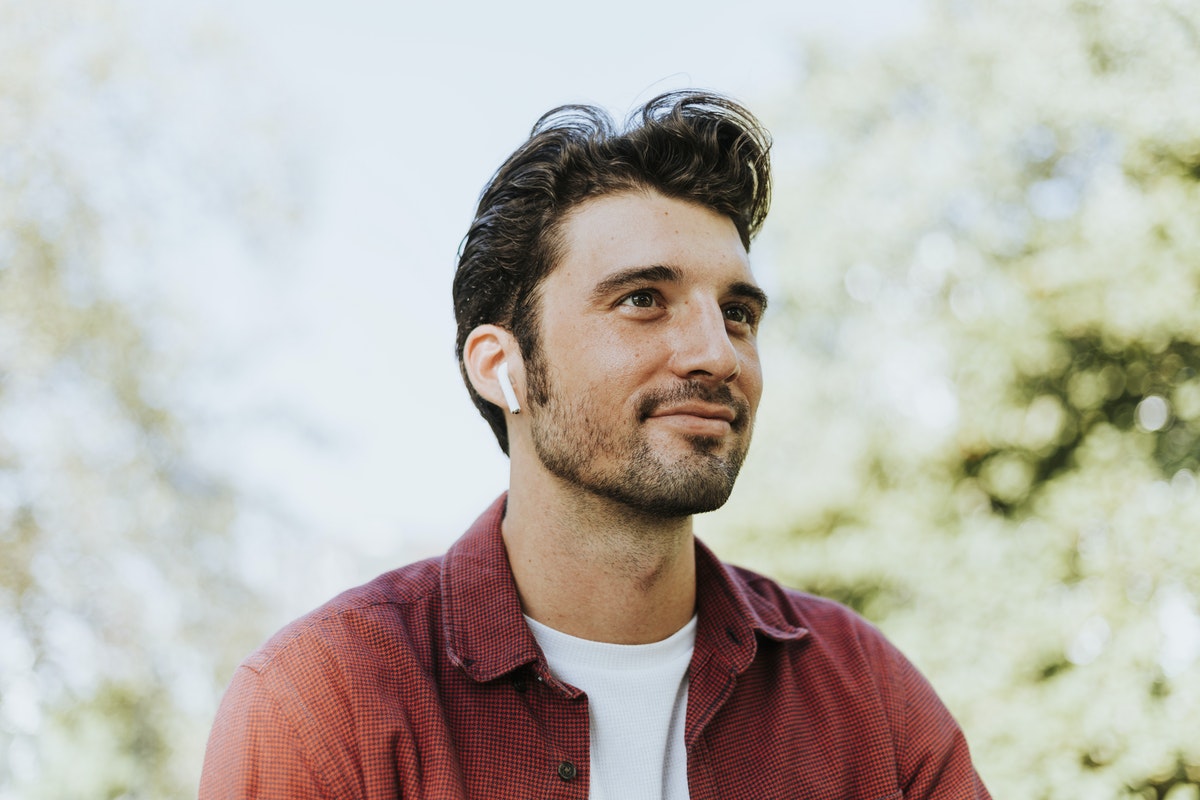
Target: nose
702, 347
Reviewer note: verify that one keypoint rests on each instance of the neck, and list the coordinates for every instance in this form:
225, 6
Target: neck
589, 567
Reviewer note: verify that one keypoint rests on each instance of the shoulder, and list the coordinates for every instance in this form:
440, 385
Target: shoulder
822, 636
385, 609
290, 721
843, 650
838, 666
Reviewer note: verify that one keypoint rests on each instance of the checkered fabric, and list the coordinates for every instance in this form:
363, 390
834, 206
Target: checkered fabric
427, 683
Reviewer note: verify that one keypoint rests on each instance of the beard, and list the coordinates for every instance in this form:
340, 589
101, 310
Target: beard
622, 464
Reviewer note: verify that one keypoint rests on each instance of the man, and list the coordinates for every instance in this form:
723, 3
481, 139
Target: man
578, 641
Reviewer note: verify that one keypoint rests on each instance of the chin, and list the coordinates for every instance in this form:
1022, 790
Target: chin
656, 477
680, 491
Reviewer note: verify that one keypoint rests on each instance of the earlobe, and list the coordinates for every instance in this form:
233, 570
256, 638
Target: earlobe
487, 355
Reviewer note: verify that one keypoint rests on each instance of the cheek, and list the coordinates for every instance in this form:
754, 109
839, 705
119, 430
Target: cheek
616, 359
597, 366
752, 379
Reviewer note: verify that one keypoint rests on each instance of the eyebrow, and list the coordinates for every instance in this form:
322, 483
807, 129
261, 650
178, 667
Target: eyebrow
635, 277
751, 293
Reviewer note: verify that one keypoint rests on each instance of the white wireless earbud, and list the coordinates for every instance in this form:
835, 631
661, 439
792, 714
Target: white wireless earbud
506, 386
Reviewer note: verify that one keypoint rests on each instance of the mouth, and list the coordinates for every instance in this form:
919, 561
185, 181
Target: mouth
697, 419
696, 410
706, 411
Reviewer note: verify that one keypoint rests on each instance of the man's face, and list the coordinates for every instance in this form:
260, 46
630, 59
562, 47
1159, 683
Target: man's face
646, 377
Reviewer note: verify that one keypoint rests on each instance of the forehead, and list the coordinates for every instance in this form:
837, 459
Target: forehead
642, 229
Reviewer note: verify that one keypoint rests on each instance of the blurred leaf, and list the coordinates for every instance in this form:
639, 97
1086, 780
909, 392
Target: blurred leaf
981, 427
121, 609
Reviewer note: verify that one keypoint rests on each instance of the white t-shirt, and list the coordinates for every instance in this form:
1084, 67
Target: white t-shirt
637, 708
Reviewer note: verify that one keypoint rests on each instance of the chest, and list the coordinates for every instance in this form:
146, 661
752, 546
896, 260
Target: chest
766, 733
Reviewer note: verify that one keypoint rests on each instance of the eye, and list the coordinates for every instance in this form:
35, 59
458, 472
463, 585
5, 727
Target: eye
641, 299
740, 314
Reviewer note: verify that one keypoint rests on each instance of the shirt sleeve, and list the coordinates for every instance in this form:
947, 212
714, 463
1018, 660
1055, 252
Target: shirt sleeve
254, 750
934, 759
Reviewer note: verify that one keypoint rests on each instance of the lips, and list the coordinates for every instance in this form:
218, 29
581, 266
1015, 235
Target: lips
701, 410
697, 409
696, 419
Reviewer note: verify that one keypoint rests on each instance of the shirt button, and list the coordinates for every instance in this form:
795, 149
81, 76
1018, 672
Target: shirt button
520, 685
567, 771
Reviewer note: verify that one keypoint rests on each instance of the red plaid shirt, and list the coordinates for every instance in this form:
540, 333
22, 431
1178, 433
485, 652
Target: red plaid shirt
426, 683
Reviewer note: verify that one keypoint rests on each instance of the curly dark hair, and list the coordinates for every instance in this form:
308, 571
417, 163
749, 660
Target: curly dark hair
688, 145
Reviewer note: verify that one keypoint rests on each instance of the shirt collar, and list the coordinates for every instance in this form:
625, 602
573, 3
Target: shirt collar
486, 634
487, 637
735, 607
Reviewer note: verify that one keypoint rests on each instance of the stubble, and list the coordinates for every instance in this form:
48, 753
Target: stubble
624, 465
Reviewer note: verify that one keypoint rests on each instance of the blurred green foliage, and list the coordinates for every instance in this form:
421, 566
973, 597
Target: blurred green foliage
121, 610
984, 387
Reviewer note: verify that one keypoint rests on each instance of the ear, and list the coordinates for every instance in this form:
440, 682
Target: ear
486, 348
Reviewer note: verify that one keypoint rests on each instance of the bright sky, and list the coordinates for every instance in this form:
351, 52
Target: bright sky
405, 110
